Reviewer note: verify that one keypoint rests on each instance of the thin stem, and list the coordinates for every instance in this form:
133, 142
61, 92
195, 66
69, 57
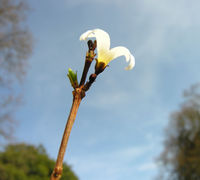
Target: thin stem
88, 60
85, 70
57, 172
78, 95
88, 84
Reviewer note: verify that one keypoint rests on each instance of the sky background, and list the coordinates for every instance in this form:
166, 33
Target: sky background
119, 128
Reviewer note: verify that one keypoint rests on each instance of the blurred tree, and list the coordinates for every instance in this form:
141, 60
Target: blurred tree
15, 48
26, 162
181, 156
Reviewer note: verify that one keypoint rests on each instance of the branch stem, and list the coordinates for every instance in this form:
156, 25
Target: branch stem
85, 71
77, 97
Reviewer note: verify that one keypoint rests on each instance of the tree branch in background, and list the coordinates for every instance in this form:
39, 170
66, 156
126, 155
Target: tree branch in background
15, 48
181, 155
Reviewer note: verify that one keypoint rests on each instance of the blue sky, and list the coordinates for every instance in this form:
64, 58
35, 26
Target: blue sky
120, 125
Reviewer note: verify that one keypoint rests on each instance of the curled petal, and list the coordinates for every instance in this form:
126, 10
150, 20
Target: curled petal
102, 37
85, 35
131, 63
122, 51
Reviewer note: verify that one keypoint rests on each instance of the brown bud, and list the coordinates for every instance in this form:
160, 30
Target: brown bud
92, 78
94, 45
90, 45
99, 67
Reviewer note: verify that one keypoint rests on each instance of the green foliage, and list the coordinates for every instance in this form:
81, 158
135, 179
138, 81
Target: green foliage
26, 162
73, 78
181, 156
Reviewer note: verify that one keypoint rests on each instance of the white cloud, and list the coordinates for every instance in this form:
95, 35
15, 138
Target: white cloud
107, 165
162, 26
166, 17
130, 153
108, 99
80, 2
149, 166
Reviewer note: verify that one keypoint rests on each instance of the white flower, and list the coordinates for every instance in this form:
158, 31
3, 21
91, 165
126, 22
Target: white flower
105, 54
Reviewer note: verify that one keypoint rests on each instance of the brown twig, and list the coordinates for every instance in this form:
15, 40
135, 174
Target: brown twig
88, 60
90, 82
78, 94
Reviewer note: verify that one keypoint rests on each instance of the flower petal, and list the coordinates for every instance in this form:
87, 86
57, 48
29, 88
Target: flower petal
123, 51
131, 63
85, 35
102, 37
